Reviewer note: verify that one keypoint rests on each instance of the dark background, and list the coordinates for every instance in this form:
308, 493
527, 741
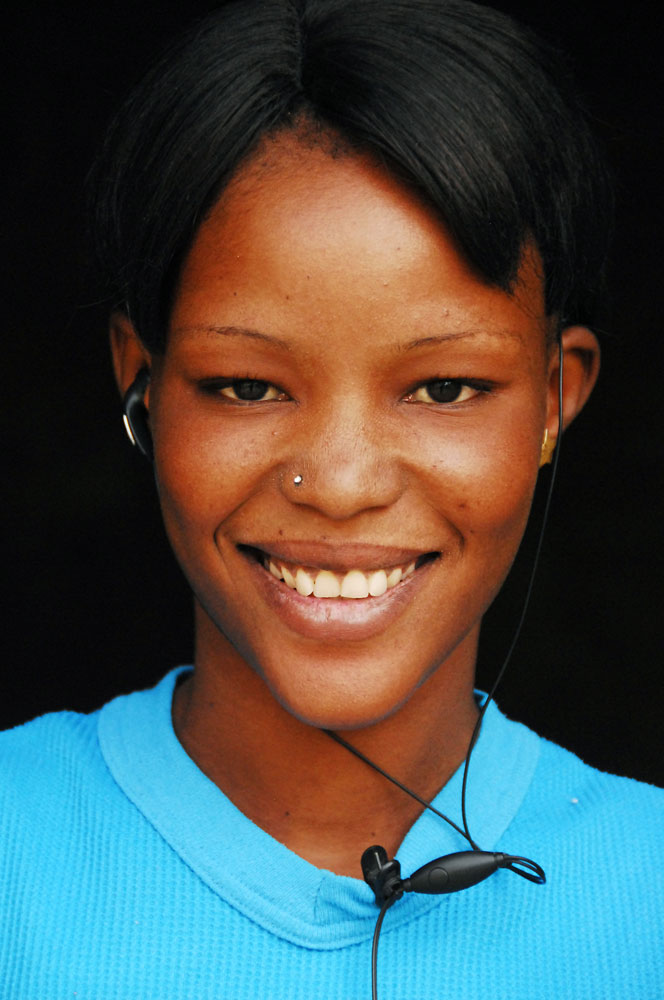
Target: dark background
94, 604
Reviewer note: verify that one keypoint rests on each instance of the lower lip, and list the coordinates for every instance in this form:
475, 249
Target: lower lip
337, 618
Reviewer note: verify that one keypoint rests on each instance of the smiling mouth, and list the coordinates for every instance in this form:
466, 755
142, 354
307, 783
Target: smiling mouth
355, 584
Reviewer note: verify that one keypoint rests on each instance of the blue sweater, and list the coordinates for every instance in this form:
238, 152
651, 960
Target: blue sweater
125, 874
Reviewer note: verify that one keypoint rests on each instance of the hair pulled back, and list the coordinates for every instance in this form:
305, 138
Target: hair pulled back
453, 98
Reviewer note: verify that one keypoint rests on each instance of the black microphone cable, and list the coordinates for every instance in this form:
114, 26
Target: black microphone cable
374, 945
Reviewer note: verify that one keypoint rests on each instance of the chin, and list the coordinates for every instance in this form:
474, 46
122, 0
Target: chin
351, 692
340, 713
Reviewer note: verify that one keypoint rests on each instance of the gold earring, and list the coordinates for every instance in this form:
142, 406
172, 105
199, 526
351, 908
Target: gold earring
548, 448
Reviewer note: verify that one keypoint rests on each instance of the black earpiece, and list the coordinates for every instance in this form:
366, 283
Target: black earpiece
135, 414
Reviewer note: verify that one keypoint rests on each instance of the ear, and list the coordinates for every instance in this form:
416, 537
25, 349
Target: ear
128, 353
581, 357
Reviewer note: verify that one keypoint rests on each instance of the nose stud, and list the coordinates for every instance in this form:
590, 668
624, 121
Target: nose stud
297, 480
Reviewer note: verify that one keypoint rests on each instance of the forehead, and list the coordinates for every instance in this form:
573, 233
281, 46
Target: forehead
331, 231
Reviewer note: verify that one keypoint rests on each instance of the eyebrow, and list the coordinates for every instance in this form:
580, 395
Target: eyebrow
236, 331
443, 338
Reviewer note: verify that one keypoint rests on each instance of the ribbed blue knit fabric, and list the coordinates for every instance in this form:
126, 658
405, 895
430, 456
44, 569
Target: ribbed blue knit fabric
125, 874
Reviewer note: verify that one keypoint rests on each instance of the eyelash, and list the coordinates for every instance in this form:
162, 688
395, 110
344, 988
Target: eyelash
216, 387
476, 388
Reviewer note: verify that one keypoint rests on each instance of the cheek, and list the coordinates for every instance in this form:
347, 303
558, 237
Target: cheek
484, 483
204, 475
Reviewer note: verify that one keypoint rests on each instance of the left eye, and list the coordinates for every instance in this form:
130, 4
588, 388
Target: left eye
251, 391
443, 390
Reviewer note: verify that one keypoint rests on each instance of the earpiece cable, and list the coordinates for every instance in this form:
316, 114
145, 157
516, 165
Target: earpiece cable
395, 781
524, 609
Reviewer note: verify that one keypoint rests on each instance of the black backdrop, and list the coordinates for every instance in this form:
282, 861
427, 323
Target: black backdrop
94, 604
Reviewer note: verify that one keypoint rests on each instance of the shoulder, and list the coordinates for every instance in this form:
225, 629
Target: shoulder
55, 792
600, 838
593, 826
562, 796
44, 761
55, 769
50, 740
561, 773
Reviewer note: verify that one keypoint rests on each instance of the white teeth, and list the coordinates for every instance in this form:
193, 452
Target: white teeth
303, 583
354, 584
326, 585
378, 583
274, 570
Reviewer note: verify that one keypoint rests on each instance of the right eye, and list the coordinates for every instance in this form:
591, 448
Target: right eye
244, 390
250, 390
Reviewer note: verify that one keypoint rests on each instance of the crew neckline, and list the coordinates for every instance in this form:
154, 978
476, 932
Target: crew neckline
261, 877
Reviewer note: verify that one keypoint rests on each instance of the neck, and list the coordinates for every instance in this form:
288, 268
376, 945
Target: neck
301, 787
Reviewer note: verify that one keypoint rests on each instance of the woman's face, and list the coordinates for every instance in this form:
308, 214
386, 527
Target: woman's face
326, 327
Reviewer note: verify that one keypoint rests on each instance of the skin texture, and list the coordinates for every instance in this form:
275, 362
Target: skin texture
326, 279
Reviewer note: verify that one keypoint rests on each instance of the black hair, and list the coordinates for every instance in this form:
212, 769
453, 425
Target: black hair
455, 99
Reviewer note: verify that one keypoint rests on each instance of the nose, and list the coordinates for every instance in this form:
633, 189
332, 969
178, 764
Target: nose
343, 464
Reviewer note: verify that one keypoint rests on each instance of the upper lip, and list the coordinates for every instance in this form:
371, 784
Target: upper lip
339, 557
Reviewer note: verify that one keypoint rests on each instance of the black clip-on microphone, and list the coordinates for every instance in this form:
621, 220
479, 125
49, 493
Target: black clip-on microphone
451, 873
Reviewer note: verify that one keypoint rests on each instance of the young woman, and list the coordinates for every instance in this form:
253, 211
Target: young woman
351, 246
